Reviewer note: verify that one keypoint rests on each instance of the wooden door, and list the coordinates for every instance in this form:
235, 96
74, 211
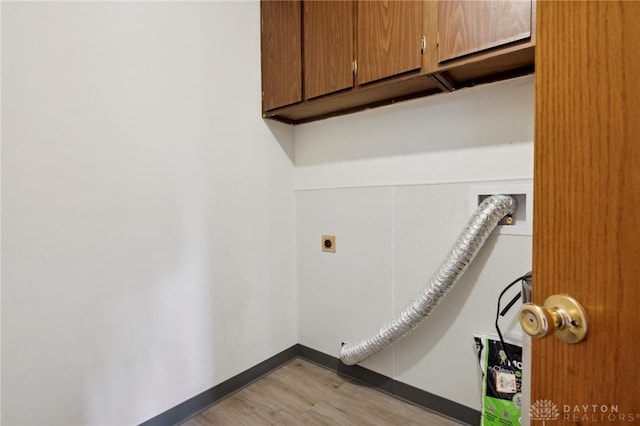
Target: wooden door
281, 49
389, 38
328, 47
467, 27
587, 208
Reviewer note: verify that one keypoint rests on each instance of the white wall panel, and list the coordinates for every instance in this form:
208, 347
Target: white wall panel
345, 295
439, 355
148, 210
480, 133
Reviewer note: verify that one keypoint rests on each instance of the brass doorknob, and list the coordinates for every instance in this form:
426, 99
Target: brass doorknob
561, 315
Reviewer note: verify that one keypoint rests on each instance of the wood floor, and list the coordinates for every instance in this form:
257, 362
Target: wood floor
302, 393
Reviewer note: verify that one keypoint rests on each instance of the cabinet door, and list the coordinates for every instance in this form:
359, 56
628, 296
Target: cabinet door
389, 38
281, 53
467, 27
328, 47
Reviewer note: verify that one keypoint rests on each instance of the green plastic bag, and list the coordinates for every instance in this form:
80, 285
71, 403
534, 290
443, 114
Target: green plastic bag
501, 381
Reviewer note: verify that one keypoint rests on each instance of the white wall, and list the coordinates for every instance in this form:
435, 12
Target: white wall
393, 184
148, 211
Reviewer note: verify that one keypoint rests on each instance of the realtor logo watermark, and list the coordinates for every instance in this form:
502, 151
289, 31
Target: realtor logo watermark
545, 410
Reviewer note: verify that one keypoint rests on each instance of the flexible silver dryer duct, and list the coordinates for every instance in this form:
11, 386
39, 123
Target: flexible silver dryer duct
483, 221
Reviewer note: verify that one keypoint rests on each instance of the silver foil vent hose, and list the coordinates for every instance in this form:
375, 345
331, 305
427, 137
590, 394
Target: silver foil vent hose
468, 244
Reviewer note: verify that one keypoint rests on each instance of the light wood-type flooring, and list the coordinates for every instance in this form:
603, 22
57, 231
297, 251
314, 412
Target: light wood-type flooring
302, 393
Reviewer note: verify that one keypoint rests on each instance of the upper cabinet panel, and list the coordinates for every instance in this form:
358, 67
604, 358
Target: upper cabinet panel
389, 38
281, 53
467, 27
322, 58
328, 47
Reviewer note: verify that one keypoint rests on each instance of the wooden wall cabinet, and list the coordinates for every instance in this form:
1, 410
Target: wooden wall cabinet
281, 45
325, 58
389, 39
328, 47
467, 27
